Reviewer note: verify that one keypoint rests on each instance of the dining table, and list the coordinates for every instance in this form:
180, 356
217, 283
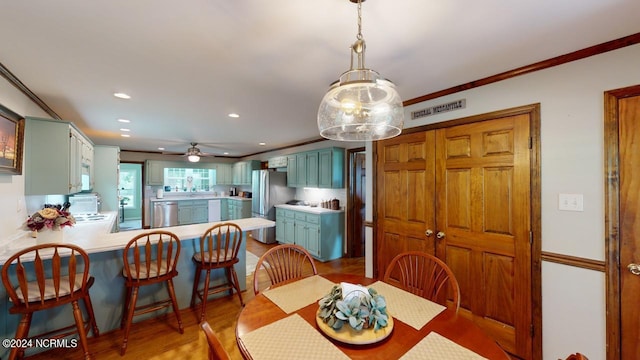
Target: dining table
282, 323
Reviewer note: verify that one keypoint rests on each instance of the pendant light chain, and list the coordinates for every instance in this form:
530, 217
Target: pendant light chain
359, 36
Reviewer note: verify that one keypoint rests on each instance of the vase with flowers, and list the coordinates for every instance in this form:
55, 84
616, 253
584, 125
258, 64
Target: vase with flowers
50, 221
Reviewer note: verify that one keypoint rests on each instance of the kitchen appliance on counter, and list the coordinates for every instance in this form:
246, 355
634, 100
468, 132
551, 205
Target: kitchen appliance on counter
269, 188
84, 203
233, 192
165, 213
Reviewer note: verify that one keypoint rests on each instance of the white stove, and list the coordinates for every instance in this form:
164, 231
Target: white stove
90, 217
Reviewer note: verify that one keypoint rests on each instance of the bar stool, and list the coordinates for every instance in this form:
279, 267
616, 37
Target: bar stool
149, 258
45, 276
219, 247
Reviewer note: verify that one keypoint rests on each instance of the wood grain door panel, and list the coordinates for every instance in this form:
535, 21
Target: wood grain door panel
483, 187
629, 150
405, 196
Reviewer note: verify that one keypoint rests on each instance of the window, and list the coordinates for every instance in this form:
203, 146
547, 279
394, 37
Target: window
189, 180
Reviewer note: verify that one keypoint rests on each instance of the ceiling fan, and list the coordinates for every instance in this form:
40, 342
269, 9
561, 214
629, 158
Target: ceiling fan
194, 154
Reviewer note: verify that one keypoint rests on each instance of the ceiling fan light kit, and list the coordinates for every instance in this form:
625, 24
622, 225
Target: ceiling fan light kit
361, 105
193, 153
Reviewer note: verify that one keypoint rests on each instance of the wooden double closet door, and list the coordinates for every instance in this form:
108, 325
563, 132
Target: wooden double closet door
463, 193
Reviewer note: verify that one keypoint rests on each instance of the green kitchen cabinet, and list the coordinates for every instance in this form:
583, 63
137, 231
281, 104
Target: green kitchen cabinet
154, 170
292, 171
322, 234
224, 209
322, 168
242, 171
224, 174
56, 154
193, 212
331, 168
238, 209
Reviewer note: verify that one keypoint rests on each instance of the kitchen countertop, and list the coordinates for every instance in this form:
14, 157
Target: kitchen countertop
309, 209
96, 236
196, 197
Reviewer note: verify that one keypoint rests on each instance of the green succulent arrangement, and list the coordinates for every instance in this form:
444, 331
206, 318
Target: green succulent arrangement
363, 311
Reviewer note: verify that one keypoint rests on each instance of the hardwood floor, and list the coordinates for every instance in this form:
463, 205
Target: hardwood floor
159, 339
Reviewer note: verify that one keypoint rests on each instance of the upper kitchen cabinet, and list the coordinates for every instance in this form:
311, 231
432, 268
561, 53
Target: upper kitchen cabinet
58, 158
224, 174
331, 168
322, 168
242, 171
154, 171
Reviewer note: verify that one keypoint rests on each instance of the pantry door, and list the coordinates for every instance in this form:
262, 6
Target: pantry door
405, 206
483, 189
622, 146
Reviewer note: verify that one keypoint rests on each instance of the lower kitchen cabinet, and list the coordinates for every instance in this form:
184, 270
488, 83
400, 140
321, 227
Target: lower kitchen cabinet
238, 209
193, 212
322, 235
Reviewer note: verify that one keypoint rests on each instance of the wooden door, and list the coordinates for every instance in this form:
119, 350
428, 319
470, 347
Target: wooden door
483, 224
405, 199
629, 150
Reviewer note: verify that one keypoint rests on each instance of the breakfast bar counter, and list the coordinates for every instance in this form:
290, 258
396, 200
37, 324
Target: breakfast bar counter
108, 292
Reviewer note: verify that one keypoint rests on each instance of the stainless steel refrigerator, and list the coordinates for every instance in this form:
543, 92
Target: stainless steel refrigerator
269, 188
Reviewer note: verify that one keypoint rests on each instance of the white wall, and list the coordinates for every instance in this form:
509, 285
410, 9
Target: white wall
13, 212
571, 97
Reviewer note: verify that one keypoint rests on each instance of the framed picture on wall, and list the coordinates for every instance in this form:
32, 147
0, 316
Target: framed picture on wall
11, 144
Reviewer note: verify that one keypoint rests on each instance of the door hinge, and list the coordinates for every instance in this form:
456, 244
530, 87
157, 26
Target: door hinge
530, 143
531, 330
530, 237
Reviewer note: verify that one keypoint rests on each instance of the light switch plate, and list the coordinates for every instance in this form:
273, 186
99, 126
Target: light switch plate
570, 202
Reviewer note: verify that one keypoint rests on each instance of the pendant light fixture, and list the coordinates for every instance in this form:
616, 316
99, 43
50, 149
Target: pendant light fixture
361, 105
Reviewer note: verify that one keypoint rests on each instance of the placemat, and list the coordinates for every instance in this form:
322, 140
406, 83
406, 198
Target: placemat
411, 309
298, 294
437, 347
290, 338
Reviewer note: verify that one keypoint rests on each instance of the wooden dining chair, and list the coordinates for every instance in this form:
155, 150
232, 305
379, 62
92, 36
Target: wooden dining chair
216, 350
424, 275
45, 276
149, 258
577, 356
219, 247
284, 262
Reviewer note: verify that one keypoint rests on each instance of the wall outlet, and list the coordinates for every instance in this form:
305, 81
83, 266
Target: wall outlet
570, 202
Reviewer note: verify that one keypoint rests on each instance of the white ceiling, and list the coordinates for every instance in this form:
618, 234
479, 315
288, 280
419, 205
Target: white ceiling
187, 64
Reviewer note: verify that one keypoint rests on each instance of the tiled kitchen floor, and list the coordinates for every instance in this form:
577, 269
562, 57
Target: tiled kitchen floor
131, 225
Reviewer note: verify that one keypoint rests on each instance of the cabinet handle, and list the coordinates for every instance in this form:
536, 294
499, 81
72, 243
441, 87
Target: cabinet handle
428, 233
440, 235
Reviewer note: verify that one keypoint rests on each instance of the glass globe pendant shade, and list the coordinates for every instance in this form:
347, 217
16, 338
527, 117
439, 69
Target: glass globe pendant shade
193, 158
361, 107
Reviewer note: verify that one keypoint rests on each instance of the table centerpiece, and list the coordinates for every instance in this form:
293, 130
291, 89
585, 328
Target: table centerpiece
354, 314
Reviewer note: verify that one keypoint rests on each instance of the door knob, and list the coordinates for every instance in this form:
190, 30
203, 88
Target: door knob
634, 269
440, 235
428, 233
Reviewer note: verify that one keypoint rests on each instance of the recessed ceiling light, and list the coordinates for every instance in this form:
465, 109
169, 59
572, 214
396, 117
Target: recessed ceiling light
262, 144
160, 148
234, 115
125, 135
226, 153
120, 95
123, 129
124, 121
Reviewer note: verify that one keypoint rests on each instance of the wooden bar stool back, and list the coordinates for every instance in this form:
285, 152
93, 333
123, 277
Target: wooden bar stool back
216, 350
424, 275
149, 258
46, 276
282, 263
219, 247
